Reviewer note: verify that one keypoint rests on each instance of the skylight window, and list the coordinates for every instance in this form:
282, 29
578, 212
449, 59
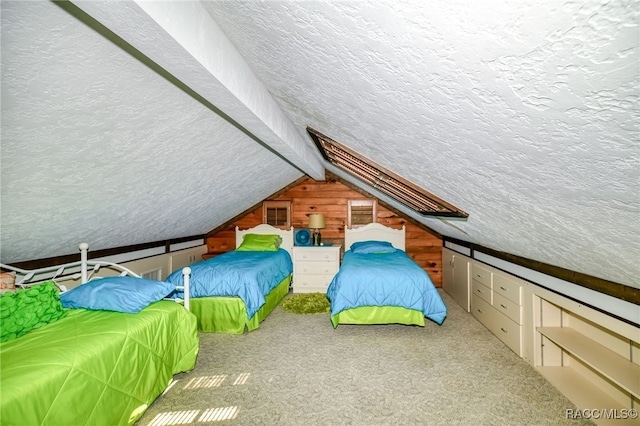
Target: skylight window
382, 179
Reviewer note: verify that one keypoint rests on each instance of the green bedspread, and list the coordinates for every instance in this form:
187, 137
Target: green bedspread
95, 367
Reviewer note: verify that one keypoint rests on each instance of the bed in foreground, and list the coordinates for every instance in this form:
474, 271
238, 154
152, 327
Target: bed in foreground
378, 283
91, 366
237, 290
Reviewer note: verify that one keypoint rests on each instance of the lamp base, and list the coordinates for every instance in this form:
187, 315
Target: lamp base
316, 238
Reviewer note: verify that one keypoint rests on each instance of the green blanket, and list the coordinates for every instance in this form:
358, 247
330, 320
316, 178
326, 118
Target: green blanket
95, 367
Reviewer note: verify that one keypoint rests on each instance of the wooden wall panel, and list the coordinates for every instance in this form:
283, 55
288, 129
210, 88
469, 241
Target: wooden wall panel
330, 198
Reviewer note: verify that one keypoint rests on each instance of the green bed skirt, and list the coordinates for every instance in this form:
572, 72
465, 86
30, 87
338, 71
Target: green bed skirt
229, 314
378, 315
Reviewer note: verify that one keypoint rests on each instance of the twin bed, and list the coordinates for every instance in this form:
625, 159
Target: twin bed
70, 366
378, 283
235, 291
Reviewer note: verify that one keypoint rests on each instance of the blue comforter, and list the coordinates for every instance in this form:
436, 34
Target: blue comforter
250, 275
384, 279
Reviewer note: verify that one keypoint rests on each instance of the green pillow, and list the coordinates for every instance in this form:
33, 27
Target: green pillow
260, 242
28, 309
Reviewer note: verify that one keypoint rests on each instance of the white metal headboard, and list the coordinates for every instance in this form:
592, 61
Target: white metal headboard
69, 271
375, 232
28, 277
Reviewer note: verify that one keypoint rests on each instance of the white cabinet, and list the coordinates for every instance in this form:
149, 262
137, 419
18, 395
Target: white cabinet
455, 277
591, 357
314, 268
496, 301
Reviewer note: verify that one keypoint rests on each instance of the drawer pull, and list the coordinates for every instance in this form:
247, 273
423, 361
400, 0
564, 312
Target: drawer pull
478, 290
503, 329
480, 310
503, 289
503, 306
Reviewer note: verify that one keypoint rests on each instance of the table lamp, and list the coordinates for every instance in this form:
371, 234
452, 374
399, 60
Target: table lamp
316, 222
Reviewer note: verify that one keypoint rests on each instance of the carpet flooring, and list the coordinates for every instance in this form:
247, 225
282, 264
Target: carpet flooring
298, 370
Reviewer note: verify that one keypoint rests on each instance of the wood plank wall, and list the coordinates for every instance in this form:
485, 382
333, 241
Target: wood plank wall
330, 198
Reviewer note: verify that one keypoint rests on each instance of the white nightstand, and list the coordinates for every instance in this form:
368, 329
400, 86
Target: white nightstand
314, 268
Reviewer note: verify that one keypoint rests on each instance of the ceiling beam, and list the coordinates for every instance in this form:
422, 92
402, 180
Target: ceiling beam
183, 39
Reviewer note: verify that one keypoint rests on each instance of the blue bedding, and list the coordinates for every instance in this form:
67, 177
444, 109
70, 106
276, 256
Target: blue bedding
250, 275
384, 279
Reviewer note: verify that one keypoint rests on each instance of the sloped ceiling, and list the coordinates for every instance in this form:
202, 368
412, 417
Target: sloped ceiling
97, 146
523, 114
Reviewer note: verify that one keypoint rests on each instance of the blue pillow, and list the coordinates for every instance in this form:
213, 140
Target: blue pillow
366, 247
120, 294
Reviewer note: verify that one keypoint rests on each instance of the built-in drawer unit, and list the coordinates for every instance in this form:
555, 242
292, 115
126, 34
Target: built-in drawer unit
507, 288
510, 332
507, 307
314, 268
480, 290
481, 310
497, 303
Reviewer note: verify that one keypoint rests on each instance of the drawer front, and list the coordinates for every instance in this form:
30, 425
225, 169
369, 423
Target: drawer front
481, 291
311, 283
303, 289
509, 332
507, 288
318, 268
481, 274
316, 254
508, 307
482, 311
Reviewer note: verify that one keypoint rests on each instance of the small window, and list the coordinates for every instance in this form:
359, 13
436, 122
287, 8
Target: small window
361, 212
277, 213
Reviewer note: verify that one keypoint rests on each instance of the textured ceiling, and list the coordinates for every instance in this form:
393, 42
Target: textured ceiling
98, 147
523, 114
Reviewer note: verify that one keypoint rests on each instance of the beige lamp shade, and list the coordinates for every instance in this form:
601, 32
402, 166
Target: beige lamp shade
316, 221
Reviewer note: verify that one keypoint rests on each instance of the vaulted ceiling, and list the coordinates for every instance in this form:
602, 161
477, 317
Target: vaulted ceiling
128, 122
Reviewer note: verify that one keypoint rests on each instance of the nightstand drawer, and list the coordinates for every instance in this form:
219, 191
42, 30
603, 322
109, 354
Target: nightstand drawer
311, 283
321, 268
316, 254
